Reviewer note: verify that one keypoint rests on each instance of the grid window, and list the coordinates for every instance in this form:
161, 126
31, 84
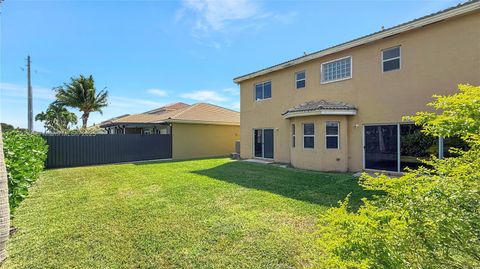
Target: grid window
293, 135
263, 90
391, 59
337, 70
300, 80
309, 135
331, 135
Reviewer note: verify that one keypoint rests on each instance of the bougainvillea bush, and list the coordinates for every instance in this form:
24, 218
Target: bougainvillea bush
25, 155
429, 217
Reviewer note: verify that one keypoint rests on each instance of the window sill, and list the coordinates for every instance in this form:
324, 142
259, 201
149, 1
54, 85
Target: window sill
393, 70
261, 100
333, 81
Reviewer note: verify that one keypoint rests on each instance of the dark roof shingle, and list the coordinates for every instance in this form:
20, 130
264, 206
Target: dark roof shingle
320, 105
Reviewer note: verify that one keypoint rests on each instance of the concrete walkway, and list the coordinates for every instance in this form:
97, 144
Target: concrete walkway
258, 161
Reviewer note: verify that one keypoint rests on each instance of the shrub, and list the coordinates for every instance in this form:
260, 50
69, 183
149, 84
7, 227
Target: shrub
25, 155
429, 217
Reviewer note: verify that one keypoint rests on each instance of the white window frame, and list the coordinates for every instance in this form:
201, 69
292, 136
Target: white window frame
294, 132
337, 135
304, 79
263, 91
399, 58
322, 81
304, 135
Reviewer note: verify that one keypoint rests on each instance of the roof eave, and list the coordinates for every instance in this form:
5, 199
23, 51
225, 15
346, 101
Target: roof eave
321, 112
203, 122
367, 39
130, 123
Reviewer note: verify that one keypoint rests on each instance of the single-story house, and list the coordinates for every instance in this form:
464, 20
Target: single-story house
197, 131
341, 108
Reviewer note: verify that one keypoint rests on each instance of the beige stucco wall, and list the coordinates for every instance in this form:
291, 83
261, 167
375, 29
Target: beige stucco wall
203, 140
320, 158
434, 60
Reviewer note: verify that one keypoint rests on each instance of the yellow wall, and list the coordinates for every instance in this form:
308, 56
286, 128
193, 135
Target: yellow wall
203, 140
434, 60
320, 158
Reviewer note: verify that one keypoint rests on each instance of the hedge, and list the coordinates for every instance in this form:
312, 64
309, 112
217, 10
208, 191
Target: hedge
25, 155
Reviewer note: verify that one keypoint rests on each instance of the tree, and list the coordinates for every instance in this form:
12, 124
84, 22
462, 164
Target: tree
427, 218
4, 206
81, 93
57, 119
6, 127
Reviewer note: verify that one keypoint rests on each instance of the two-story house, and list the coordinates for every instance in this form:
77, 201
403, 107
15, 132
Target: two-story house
341, 108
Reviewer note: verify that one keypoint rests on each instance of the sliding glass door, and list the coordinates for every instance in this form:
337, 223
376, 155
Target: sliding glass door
395, 147
263, 143
258, 143
381, 147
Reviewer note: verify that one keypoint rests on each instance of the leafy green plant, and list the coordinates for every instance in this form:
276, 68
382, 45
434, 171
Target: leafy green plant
429, 217
94, 129
6, 127
25, 155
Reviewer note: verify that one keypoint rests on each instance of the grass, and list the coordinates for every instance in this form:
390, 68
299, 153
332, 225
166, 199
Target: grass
211, 213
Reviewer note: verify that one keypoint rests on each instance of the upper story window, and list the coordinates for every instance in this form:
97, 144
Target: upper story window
391, 59
263, 90
332, 135
337, 70
309, 135
300, 80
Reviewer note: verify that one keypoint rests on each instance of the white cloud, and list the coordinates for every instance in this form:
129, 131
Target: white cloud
158, 92
232, 91
205, 96
138, 104
20, 91
217, 23
215, 14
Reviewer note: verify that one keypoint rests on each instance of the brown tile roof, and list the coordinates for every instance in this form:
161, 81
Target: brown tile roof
112, 119
201, 113
320, 105
207, 113
169, 107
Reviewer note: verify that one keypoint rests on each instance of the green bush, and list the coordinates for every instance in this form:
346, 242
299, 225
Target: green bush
25, 155
429, 217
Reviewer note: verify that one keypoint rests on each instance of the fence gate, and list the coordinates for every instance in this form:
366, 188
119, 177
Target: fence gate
81, 150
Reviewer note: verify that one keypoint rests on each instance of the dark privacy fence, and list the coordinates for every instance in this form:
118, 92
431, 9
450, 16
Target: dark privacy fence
80, 150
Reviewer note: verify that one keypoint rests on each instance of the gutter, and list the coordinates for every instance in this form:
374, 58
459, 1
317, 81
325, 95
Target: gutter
201, 122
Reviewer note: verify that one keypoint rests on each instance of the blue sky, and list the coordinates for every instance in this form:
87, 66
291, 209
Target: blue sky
153, 53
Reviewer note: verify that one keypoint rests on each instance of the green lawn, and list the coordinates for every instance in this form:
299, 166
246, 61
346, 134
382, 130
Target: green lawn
213, 213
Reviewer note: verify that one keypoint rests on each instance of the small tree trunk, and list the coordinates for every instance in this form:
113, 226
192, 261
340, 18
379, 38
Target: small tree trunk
85, 119
4, 206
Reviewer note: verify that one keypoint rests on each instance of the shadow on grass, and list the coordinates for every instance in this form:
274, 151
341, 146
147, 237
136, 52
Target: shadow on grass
148, 162
314, 187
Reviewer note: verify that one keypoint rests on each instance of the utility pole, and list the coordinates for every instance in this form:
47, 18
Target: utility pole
30, 106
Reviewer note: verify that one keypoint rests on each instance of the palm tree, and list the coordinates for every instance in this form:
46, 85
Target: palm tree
4, 207
82, 94
57, 119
